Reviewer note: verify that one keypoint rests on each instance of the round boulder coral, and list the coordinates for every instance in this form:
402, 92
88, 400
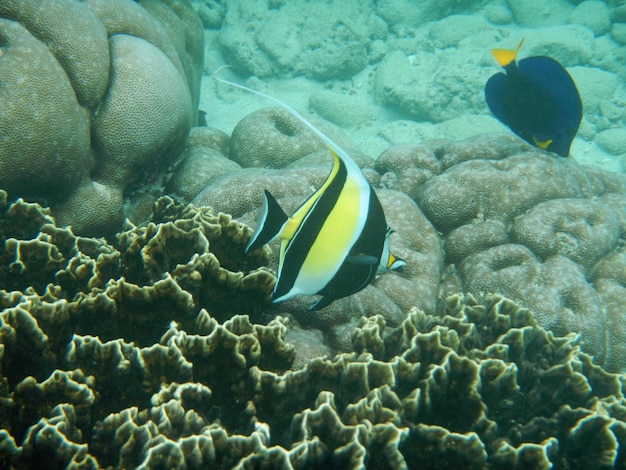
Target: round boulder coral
199, 166
45, 145
556, 291
581, 229
502, 189
271, 138
97, 98
542, 230
139, 123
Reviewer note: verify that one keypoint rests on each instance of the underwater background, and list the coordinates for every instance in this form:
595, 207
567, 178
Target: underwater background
136, 331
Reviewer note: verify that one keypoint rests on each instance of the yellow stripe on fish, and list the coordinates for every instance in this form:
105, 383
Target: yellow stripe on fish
336, 241
329, 230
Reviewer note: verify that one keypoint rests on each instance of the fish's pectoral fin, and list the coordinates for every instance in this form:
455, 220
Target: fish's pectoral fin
272, 220
394, 263
506, 56
325, 301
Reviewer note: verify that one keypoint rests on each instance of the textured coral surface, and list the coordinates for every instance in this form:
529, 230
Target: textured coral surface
489, 214
133, 354
97, 98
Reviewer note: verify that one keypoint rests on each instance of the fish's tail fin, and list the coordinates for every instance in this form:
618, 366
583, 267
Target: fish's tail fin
272, 220
506, 56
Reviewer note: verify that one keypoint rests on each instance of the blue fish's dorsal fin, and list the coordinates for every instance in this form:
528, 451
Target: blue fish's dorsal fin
272, 220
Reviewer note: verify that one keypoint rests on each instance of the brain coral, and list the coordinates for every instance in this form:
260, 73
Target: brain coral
60, 146
271, 137
520, 222
488, 214
274, 138
112, 70
128, 137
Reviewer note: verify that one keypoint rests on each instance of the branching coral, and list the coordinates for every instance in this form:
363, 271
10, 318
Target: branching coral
480, 385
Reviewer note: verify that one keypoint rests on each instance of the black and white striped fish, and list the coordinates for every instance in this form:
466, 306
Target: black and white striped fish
336, 241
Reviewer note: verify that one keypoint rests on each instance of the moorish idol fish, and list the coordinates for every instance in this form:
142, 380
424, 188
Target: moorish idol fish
336, 241
537, 99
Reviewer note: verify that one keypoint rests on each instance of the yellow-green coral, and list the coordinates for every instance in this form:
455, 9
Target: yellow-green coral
479, 385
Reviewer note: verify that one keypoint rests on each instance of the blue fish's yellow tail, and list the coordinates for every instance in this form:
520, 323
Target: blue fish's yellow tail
506, 56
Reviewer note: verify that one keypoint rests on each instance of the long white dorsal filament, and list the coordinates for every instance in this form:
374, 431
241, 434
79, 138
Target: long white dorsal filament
341, 152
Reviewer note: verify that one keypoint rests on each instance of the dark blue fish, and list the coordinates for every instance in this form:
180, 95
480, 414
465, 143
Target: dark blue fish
537, 99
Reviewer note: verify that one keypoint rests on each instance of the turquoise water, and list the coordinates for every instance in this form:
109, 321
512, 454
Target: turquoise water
136, 331
414, 71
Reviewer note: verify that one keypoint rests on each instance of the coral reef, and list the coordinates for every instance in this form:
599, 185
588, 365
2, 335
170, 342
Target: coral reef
483, 215
479, 384
98, 97
517, 221
161, 349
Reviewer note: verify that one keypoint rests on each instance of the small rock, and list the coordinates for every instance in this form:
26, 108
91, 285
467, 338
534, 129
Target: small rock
612, 140
341, 109
594, 15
